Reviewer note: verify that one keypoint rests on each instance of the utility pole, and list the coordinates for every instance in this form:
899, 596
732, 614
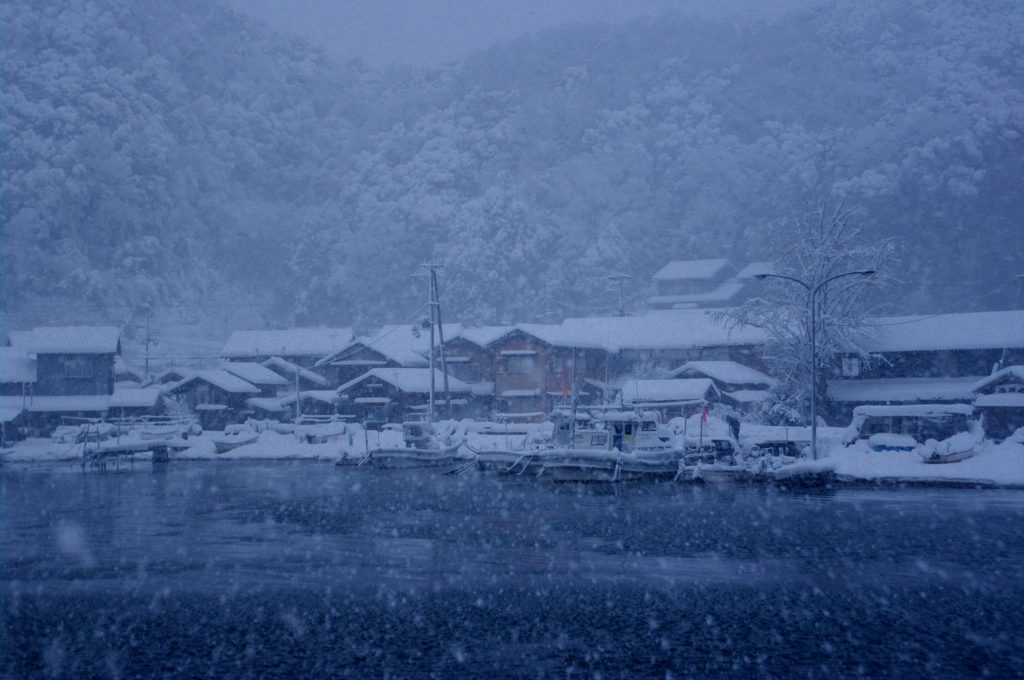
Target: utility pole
621, 279
145, 370
436, 295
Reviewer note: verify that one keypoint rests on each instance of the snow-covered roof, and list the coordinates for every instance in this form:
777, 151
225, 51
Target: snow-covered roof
407, 345
520, 394
292, 342
902, 390
414, 380
326, 396
652, 391
721, 293
271, 404
669, 329
289, 368
174, 373
68, 340
481, 336
691, 269
219, 378
915, 410
1008, 374
971, 330
254, 373
16, 366
90, 403
727, 372
748, 396
753, 269
1000, 400
135, 398
8, 415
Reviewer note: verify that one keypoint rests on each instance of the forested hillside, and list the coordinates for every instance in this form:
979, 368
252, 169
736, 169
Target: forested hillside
175, 154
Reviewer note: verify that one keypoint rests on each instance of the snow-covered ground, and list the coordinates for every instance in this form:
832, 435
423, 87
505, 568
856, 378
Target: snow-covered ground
993, 464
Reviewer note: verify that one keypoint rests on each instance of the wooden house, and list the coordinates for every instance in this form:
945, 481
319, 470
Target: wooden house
71, 360
313, 403
218, 398
999, 400
740, 387
392, 395
405, 346
469, 358
308, 379
17, 372
923, 359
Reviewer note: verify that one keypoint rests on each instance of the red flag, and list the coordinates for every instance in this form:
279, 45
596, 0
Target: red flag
704, 414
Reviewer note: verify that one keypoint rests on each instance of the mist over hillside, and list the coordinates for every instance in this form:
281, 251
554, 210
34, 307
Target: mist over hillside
177, 155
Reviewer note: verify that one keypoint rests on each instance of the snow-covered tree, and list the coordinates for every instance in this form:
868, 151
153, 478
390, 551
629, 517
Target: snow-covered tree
818, 249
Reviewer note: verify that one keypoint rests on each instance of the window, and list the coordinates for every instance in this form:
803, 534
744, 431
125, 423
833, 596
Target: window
519, 364
78, 369
554, 364
465, 372
851, 367
715, 354
376, 413
522, 405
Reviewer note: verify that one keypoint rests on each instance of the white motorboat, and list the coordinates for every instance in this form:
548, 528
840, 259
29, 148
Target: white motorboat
420, 450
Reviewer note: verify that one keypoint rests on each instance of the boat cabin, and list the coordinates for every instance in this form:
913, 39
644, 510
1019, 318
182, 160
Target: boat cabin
918, 421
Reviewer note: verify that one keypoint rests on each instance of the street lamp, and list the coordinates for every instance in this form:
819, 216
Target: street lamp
812, 292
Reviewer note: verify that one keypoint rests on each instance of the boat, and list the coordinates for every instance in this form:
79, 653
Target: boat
235, 436
617, 446
420, 450
711, 452
953, 450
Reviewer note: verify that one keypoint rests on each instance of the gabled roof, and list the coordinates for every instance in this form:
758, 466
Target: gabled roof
16, 366
254, 373
654, 391
481, 336
219, 378
291, 342
728, 372
972, 330
406, 345
1008, 374
68, 340
326, 396
721, 293
693, 270
413, 380
288, 367
146, 397
176, 373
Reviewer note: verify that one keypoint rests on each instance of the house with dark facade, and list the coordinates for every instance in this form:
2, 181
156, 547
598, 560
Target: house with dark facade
738, 386
469, 358
404, 346
74, 374
217, 398
302, 346
392, 395
924, 359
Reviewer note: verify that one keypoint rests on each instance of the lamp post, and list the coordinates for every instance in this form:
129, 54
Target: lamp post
812, 292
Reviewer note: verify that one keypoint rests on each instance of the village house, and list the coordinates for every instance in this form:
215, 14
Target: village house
74, 374
270, 384
392, 395
999, 401
302, 346
741, 387
924, 359
704, 283
313, 403
469, 358
534, 366
405, 346
217, 398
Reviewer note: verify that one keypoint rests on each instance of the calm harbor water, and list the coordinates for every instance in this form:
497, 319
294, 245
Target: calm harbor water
303, 569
